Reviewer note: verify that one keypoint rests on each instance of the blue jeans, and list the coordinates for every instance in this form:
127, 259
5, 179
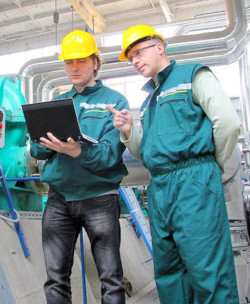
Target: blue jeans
61, 224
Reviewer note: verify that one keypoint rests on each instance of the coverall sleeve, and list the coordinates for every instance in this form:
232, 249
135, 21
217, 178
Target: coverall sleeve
133, 143
209, 94
108, 152
40, 152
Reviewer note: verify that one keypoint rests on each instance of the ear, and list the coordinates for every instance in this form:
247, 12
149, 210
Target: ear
95, 63
161, 48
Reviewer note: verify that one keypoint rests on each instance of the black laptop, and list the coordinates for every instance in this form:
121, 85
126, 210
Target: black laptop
58, 117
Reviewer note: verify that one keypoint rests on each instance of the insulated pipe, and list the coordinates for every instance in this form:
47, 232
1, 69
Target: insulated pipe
209, 22
220, 47
40, 66
245, 98
35, 67
46, 87
245, 105
53, 81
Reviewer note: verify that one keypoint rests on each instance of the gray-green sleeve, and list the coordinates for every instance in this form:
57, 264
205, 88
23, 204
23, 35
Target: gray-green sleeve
209, 94
133, 143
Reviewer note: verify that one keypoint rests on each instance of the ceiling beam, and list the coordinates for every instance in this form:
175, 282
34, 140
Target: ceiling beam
89, 14
31, 16
166, 10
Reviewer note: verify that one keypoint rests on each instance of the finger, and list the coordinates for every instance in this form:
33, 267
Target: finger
125, 112
111, 109
120, 119
69, 140
53, 138
44, 140
118, 124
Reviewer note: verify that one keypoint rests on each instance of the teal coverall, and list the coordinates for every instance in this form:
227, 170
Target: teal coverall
192, 249
99, 168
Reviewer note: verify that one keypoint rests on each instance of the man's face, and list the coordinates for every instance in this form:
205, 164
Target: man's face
81, 71
144, 57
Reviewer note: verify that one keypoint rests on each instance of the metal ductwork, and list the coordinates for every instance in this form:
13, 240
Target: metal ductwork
215, 48
220, 47
44, 76
36, 67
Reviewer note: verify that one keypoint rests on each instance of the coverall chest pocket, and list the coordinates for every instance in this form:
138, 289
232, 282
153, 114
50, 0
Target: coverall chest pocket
172, 115
95, 114
93, 122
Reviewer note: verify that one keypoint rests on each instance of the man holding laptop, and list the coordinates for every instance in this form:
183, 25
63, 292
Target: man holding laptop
84, 179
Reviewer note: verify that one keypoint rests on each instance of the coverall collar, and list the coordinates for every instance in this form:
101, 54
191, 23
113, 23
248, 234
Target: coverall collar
151, 85
87, 90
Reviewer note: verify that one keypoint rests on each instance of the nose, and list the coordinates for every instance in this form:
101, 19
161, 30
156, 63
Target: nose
75, 65
134, 60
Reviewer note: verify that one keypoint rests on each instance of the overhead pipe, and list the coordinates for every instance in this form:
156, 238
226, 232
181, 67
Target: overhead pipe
221, 47
215, 48
245, 90
209, 22
245, 104
46, 86
35, 67
53, 81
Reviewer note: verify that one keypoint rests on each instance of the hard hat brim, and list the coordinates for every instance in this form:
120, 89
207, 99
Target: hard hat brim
75, 56
123, 55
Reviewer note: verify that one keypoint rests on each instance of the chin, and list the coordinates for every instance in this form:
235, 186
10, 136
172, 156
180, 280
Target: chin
145, 74
76, 81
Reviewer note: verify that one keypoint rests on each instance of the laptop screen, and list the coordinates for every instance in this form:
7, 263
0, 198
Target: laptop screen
58, 117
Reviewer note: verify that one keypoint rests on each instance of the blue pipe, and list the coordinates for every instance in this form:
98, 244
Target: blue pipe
18, 227
21, 179
81, 240
83, 269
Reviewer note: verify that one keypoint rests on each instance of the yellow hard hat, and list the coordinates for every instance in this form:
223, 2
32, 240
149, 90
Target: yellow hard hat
134, 35
78, 44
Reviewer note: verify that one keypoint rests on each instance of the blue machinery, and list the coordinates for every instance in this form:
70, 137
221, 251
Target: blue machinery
14, 152
13, 213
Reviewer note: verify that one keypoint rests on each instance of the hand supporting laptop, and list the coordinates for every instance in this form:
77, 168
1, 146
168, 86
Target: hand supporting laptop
71, 147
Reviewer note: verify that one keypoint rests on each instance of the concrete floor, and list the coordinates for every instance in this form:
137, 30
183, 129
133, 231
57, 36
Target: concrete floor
22, 279
144, 296
149, 298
